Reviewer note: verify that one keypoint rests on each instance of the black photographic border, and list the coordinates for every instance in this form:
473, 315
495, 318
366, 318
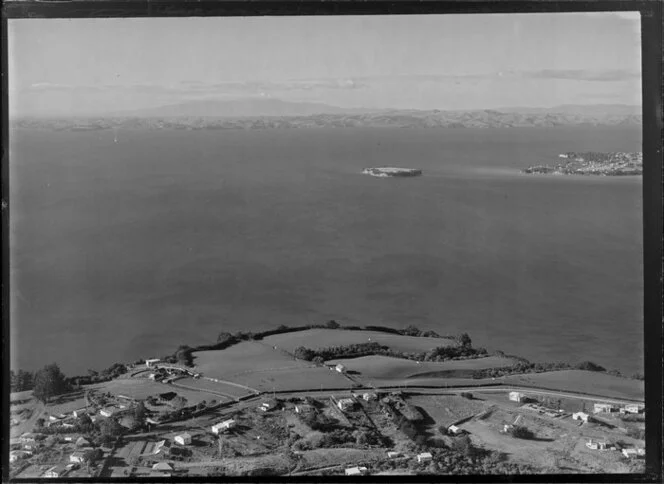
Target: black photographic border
652, 132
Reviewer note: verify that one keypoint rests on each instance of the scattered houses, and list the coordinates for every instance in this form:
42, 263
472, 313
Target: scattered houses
15, 455
632, 408
633, 453
223, 426
604, 408
183, 439
356, 471
424, 457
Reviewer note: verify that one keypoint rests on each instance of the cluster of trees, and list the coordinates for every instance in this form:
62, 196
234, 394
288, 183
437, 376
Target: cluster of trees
93, 376
20, 381
521, 432
49, 382
525, 366
440, 353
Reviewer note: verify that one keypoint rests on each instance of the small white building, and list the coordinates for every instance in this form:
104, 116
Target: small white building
15, 455
183, 439
584, 417
454, 430
517, 396
370, 397
424, 457
340, 368
604, 408
267, 406
633, 453
633, 408
161, 446
77, 456
597, 445
223, 426
345, 403
393, 455
163, 467
107, 412
303, 408
355, 471
151, 362
55, 471
80, 412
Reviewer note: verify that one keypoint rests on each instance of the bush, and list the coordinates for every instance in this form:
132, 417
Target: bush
589, 366
521, 432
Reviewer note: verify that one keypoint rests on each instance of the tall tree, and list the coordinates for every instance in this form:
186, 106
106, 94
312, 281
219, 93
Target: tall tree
49, 382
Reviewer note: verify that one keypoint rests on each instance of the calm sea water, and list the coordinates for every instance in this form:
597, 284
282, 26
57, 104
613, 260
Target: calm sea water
126, 250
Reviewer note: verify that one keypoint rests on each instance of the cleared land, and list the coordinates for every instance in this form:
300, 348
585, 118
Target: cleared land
385, 367
293, 379
447, 409
589, 382
323, 338
140, 389
242, 358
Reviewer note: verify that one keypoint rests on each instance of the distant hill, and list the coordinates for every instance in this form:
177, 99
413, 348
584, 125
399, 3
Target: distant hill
580, 109
248, 107
226, 115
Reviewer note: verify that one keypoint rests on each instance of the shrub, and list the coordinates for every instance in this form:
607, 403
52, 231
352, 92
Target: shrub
521, 432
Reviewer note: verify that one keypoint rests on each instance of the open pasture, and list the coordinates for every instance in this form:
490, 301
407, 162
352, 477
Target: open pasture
242, 358
212, 388
140, 389
323, 338
295, 379
385, 367
447, 409
590, 382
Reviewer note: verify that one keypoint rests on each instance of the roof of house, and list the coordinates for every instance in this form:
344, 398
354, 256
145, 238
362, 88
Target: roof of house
162, 466
425, 454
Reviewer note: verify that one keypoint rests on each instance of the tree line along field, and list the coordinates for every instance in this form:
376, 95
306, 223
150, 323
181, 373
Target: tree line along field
385, 367
323, 338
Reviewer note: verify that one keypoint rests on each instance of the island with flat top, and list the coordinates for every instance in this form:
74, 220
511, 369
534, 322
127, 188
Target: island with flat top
388, 171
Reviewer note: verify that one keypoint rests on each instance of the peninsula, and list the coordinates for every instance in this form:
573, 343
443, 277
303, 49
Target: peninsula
592, 163
389, 171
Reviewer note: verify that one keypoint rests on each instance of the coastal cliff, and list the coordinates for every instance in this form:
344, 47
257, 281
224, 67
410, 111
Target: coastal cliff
592, 163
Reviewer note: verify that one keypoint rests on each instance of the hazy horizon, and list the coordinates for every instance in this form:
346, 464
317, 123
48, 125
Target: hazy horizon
97, 67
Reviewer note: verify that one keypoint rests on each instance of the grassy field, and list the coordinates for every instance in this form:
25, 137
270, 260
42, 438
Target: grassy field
447, 409
293, 379
213, 388
323, 338
590, 382
140, 388
385, 367
242, 358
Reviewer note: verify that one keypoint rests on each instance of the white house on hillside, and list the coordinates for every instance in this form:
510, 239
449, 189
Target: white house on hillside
345, 403
424, 457
223, 426
151, 362
584, 417
355, 471
183, 439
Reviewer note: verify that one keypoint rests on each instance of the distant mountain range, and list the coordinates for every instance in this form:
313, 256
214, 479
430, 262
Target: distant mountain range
274, 113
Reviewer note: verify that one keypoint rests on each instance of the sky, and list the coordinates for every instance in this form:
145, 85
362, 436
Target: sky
60, 67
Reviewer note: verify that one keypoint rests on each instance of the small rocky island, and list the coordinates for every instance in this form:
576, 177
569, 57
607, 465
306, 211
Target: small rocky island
391, 172
592, 163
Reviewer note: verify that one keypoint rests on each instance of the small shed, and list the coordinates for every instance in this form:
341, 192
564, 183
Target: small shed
355, 471
517, 396
183, 439
77, 456
163, 467
369, 397
151, 362
393, 455
223, 426
584, 417
424, 457
454, 430
604, 408
340, 368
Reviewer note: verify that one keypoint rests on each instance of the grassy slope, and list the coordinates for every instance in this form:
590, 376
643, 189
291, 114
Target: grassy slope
322, 338
582, 381
384, 367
